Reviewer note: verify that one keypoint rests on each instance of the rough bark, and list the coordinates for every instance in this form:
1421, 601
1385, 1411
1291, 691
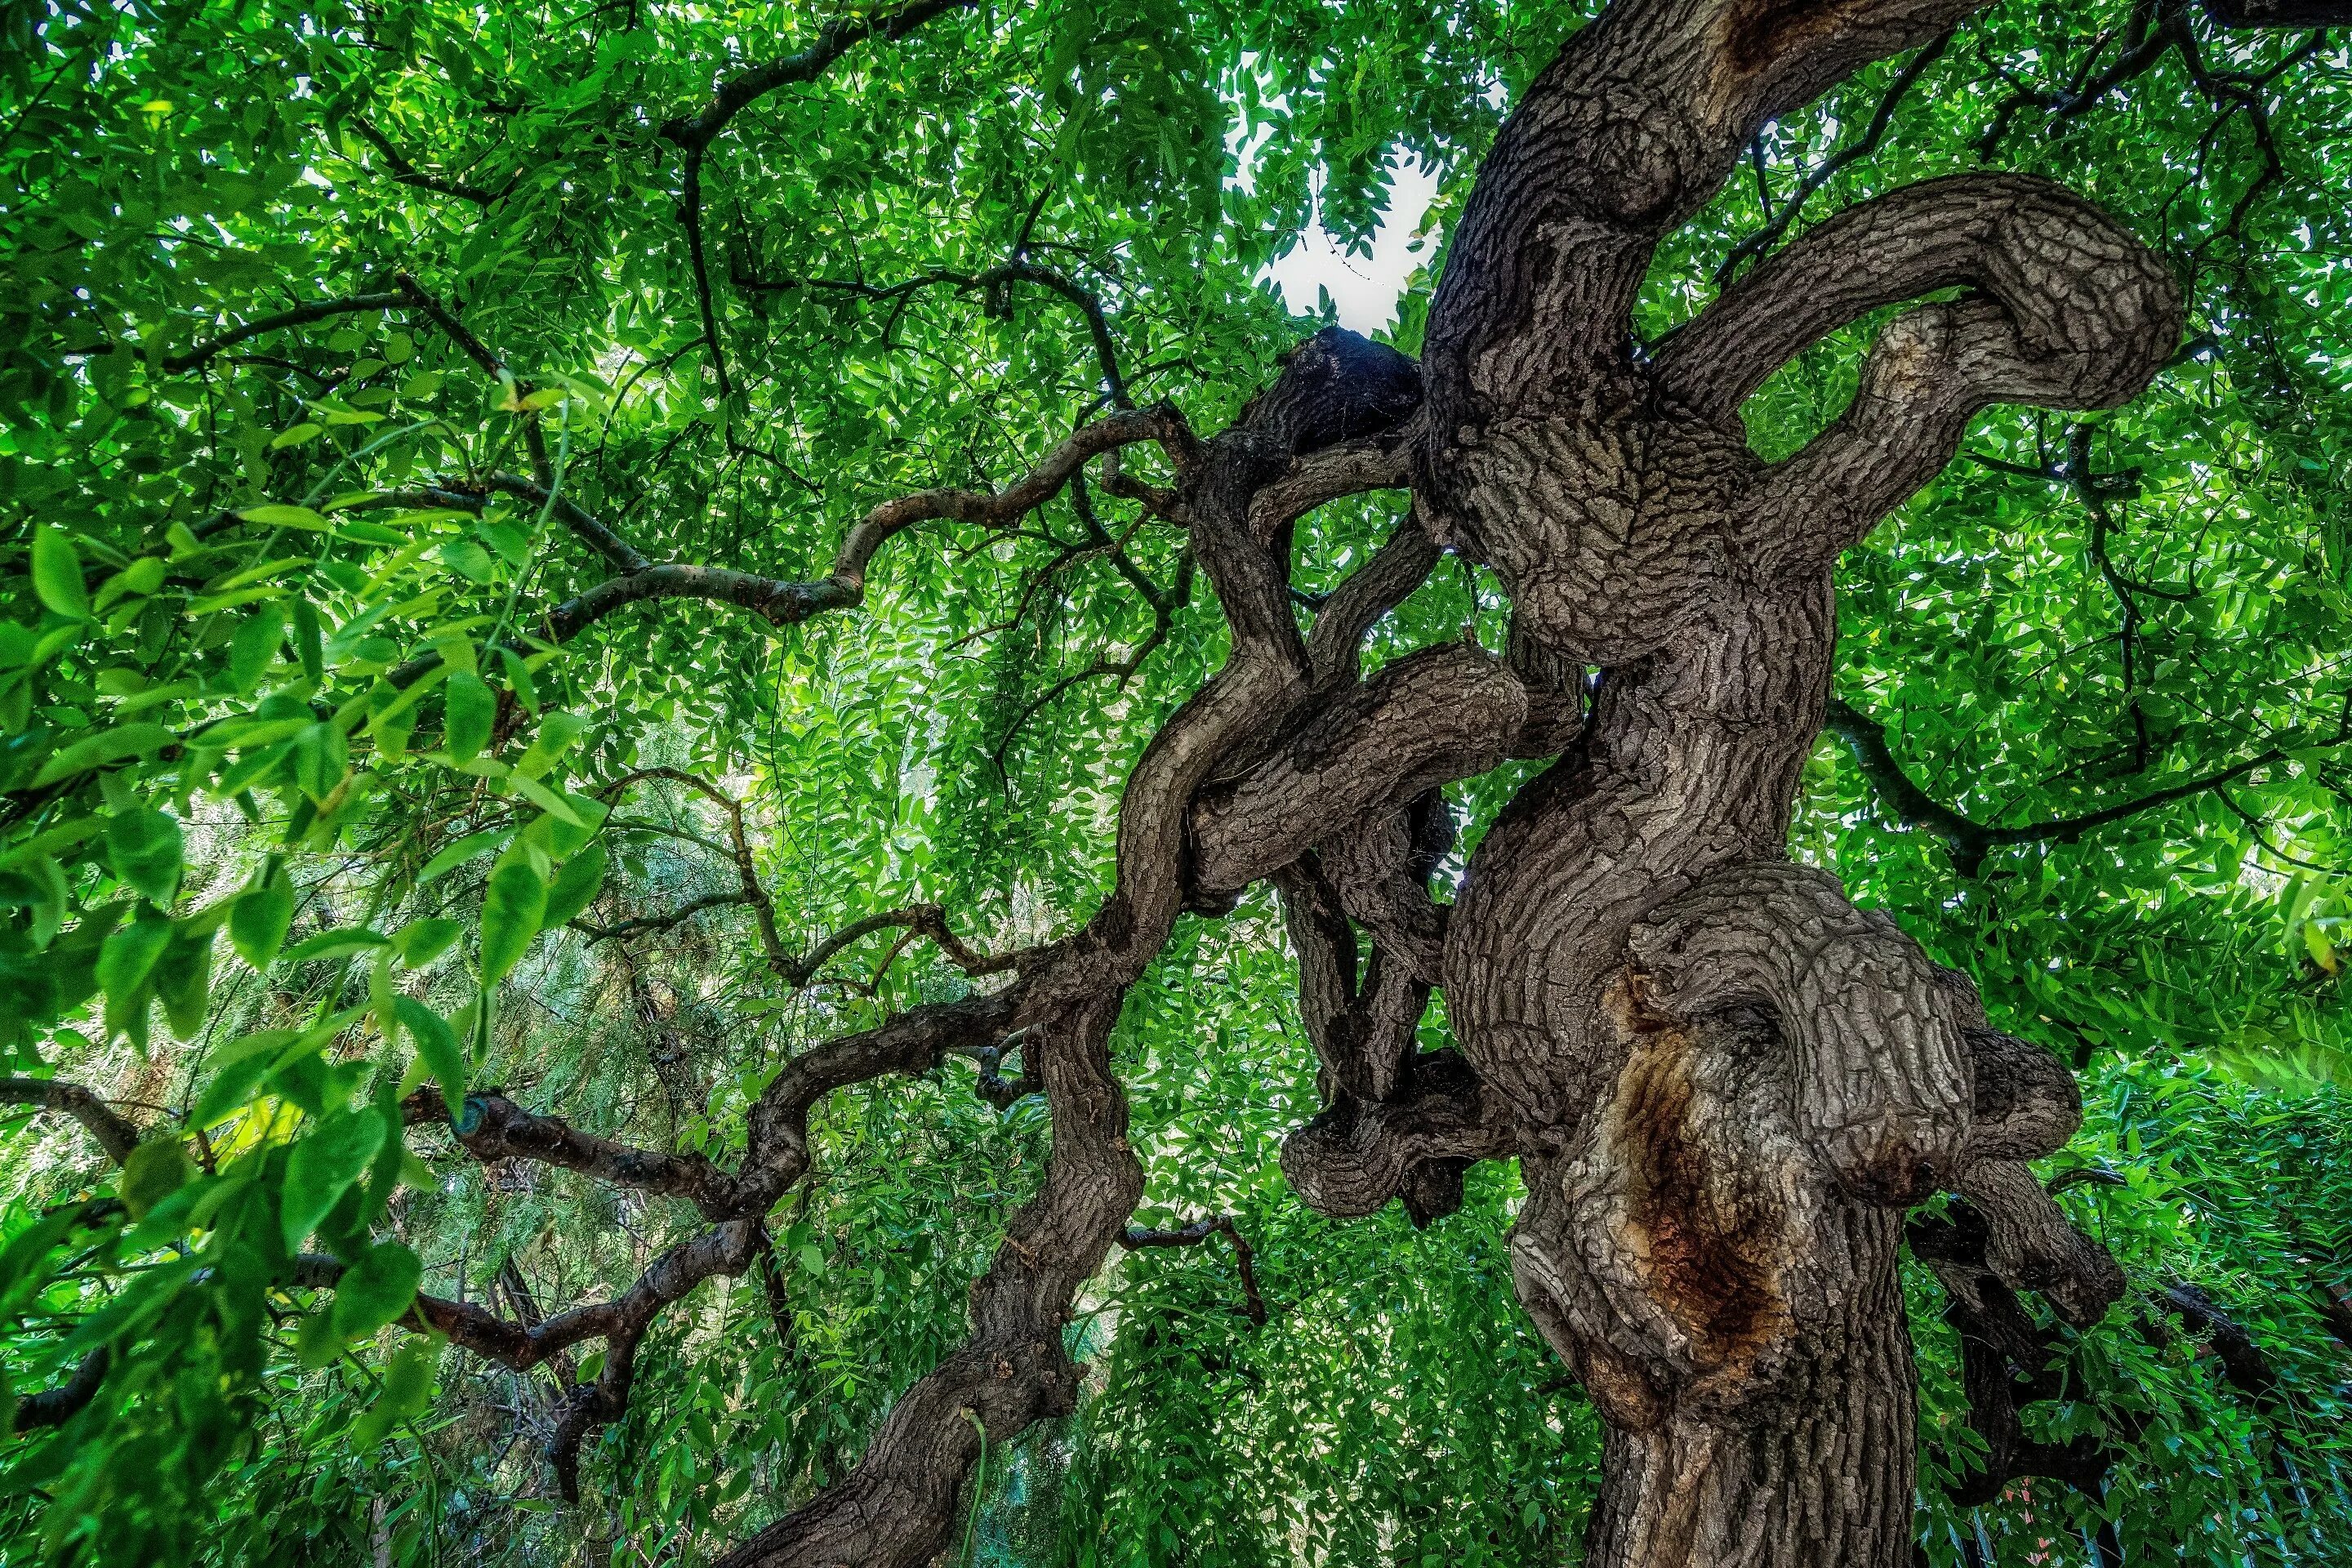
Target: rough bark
1725, 1084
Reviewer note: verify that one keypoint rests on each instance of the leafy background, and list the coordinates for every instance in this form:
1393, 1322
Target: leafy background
251, 892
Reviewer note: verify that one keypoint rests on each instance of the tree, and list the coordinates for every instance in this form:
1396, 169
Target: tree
1724, 1084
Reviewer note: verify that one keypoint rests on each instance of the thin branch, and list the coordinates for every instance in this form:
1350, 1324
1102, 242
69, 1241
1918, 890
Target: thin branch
1137, 1238
694, 134
835, 39
301, 315
408, 174
1089, 304
1969, 841
1777, 224
787, 602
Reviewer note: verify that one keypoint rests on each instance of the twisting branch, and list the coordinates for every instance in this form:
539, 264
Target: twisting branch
114, 1132
1254, 1304
1089, 304
408, 174
693, 134
1968, 840
1776, 224
786, 603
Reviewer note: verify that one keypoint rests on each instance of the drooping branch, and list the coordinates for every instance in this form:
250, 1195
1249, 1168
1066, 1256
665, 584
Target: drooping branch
922, 919
1446, 713
2007, 1362
1089, 303
408, 174
1417, 1144
55, 1406
897, 1509
301, 315
490, 1127
1776, 223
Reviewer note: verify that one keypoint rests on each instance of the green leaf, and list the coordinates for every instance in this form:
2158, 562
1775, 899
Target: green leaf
259, 637
323, 1165
56, 573
575, 886
145, 848
470, 712
376, 1289
512, 907
453, 855
259, 919
131, 953
407, 1389
184, 978
340, 942
106, 746
276, 516
425, 939
468, 560
155, 1170
437, 1047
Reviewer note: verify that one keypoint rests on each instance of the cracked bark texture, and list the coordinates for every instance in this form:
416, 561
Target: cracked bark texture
1728, 1083
1725, 1083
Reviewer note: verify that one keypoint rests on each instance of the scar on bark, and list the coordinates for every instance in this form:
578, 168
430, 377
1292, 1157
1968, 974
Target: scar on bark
1714, 1268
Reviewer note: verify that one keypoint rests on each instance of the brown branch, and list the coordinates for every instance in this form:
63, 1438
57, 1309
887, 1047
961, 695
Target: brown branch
115, 1133
1913, 807
1137, 1238
493, 1128
1777, 224
408, 174
693, 134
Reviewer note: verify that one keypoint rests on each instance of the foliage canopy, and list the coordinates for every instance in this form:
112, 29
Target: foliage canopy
346, 351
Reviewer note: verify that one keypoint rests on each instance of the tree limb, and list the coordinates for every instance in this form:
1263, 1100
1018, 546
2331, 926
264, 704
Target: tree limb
115, 1133
1968, 840
1254, 1308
